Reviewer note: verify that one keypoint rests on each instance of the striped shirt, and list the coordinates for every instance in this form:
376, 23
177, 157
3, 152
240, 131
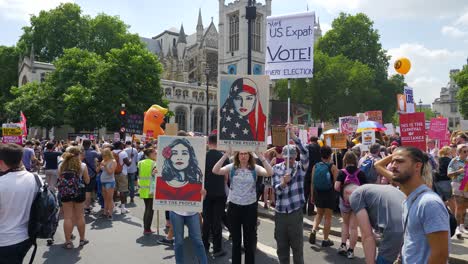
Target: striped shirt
291, 197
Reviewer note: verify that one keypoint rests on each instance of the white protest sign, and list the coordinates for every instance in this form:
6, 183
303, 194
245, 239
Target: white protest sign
290, 46
464, 125
390, 129
368, 138
409, 99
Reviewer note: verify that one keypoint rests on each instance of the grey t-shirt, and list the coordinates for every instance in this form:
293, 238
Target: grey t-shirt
384, 205
106, 177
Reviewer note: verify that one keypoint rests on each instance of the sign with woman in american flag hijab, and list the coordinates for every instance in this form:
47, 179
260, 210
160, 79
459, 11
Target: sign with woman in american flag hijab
243, 112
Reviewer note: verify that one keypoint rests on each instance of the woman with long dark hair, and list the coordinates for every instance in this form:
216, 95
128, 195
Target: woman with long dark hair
181, 175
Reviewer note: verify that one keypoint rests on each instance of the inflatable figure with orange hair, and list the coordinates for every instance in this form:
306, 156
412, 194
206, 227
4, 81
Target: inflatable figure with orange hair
154, 118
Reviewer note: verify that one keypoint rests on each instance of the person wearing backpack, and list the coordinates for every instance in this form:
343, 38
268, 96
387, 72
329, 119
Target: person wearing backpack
349, 175
366, 164
121, 180
242, 209
324, 175
17, 191
314, 158
73, 175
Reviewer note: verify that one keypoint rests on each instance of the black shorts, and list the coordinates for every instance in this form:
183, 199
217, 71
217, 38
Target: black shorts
91, 186
325, 199
81, 198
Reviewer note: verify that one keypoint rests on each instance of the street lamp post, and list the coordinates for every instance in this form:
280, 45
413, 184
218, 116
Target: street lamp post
250, 15
420, 105
207, 72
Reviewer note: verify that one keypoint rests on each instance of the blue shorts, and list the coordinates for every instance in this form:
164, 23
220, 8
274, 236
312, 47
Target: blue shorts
108, 185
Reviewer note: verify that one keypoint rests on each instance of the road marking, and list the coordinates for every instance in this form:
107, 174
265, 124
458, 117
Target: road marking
262, 247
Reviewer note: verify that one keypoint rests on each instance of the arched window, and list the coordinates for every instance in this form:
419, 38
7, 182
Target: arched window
181, 117
234, 32
185, 93
198, 120
195, 95
168, 92
201, 96
214, 120
24, 80
178, 93
173, 42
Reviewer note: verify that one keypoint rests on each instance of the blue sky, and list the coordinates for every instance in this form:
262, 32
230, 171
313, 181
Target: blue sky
433, 34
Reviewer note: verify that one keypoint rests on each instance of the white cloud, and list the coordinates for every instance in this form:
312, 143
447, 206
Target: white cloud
325, 28
22, 9
395, 8
453, 32
429, 68
462, 20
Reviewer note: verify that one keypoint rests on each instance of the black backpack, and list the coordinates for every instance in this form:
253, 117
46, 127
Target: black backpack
43, 217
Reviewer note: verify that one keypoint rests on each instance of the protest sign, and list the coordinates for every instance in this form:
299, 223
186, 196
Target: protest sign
12, 133
243, 108
368, 138
134, 124
171, 129
413, 130
409, 99
279, 135
313, 132
303, 136
438, 128
375, 116
348, 124
116, 136
290, 46
181, 165
401, 103
390, 129
464, 125
445, 141
361, 117
337, 140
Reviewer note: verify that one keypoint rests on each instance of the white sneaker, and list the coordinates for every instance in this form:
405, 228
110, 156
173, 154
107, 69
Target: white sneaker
124, 210
463, 230
342, 250
458, 234
350, 254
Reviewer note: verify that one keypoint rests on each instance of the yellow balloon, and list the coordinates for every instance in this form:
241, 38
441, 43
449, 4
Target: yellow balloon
402, 65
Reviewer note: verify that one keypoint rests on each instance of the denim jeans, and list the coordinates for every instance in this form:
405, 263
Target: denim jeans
193, 224
381, 260
131, 183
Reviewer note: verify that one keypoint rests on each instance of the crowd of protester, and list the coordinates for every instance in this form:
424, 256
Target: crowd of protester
402, 199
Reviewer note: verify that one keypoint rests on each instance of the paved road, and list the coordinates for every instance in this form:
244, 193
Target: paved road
121, 241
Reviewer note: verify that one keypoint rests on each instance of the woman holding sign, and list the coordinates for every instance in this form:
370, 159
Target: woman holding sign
242, 209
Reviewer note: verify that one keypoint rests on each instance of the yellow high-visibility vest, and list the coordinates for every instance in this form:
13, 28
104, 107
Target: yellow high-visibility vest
146, 180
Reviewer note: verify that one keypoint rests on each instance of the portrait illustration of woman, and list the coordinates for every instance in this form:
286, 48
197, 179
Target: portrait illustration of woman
242, 116
181, 175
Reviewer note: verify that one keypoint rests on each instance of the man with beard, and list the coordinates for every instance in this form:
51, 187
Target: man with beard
425, 217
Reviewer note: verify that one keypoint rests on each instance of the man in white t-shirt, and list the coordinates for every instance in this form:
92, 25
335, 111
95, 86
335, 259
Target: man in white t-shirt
121, 179
132, 170
17, 191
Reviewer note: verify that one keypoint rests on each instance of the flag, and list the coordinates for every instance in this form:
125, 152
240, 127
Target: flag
24, 127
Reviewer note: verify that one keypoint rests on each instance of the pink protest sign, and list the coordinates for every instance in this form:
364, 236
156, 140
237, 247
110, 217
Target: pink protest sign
313, 132
438, 128
12, 139
413, 130
464, 183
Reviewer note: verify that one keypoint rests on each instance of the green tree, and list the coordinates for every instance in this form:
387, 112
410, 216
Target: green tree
55, 30
34, 100
339, 87
354, 37
462, 80
130, 76
8, 76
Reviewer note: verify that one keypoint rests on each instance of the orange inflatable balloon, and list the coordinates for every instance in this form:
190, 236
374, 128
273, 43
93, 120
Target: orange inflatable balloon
402, 65
154, 118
